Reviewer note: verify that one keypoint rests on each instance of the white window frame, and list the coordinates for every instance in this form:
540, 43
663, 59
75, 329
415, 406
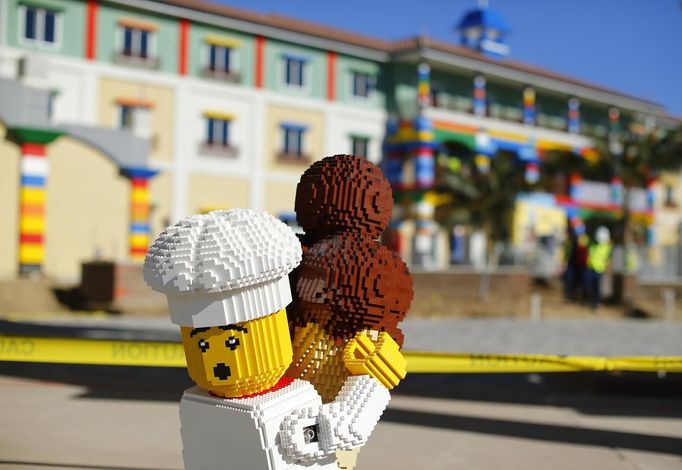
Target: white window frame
234, 58
302, 130
120, 43
371, 89
367, 139
40, 24
306, 75
136, 128
219, 121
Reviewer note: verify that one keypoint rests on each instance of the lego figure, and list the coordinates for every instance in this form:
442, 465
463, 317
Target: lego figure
350, 291
225, 277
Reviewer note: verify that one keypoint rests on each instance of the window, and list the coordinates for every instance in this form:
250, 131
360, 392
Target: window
362, 84
136, 42
126, 117
218, 137
50, 103
218, 132
40, 25
359, 146
437, 95
294, 71
135, 117
293, 143
219, 58
669, 196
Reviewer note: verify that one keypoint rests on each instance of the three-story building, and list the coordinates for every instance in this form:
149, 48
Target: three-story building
119, 118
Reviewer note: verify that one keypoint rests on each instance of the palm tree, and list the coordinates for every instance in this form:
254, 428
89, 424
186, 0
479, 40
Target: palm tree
637, 160
482, 195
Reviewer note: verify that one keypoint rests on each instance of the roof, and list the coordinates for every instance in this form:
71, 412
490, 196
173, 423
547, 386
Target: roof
418, 42
368, 42
290, 24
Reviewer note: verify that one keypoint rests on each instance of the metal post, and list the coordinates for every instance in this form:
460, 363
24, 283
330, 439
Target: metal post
669, 304
535, 307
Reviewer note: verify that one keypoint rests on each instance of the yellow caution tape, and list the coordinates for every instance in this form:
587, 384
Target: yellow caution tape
165, 354
89, 351
422, 362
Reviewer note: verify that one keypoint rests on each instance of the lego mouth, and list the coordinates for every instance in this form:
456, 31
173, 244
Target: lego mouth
222, 371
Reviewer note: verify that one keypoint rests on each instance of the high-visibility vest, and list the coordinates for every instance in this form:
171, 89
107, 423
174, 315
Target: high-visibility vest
598, 257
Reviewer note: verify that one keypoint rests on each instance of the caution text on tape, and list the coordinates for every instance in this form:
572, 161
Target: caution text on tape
168, 354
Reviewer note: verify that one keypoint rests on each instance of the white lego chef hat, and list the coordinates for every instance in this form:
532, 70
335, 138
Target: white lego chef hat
223, 267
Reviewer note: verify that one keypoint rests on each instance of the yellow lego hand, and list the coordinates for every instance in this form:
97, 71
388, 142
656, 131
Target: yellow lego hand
380, 359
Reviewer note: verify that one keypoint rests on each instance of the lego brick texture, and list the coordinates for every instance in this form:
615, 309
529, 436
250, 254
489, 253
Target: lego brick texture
343, 193
267, 431
345, 423
348, 283
219, 433
238, 360
234, 263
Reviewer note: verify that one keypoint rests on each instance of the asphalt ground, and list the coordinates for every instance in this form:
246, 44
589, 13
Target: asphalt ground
596, 337
123, 418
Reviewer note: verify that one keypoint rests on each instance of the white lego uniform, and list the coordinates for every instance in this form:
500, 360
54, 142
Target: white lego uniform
267, 431
229, 267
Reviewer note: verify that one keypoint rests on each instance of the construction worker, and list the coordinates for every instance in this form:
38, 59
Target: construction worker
598, 257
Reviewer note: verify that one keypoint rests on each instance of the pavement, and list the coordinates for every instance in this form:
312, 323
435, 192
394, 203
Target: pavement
81, 418
592, 337
124, 418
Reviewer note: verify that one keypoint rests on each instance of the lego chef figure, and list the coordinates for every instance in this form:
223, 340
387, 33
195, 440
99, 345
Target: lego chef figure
225, 277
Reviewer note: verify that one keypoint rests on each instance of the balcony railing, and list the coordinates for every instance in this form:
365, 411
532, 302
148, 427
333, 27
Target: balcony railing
150, 63
508, 113
215, 150
231, 77
295, 158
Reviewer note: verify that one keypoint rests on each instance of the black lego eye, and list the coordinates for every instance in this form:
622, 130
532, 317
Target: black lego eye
203, 345
232, 343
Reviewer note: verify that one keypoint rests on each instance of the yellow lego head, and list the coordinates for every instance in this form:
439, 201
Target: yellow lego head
236, 360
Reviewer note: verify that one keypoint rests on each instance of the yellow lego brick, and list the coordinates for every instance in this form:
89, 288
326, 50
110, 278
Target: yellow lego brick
425, 136
139, 195
30, 253
382, 360
32, 195
138, 240
319, 360
32, 224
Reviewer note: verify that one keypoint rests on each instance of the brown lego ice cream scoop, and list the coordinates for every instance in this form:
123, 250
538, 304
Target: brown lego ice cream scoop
349, 283
342, 193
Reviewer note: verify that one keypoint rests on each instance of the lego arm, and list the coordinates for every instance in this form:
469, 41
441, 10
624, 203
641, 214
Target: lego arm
312, 434
382, 359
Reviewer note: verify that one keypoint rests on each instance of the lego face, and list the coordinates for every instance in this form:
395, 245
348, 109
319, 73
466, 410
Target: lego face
236, 360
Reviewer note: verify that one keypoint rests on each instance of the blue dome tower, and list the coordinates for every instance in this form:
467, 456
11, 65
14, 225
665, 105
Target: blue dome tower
484, 30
